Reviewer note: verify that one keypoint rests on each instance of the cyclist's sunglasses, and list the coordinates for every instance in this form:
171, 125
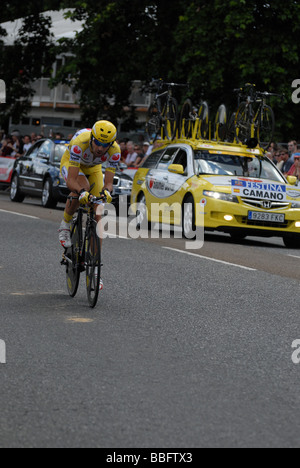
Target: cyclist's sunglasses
98, 143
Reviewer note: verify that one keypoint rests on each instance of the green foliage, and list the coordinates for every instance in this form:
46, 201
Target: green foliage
29, 58
215, 45
226, 44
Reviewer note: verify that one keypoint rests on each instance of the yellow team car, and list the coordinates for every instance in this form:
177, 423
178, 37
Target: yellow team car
240, 191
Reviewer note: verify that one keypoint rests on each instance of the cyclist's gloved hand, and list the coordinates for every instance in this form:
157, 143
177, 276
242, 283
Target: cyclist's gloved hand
84, 197
106, 193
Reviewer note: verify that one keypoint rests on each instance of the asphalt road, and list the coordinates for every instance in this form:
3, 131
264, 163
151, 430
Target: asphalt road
182, 351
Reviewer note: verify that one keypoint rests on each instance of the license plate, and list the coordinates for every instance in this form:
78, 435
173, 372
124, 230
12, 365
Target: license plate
268, 217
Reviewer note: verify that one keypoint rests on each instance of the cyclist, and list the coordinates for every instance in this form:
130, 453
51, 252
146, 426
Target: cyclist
81, 167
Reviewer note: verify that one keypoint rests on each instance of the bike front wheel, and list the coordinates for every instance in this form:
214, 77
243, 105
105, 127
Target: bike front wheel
266, 126
73, 267
93, 265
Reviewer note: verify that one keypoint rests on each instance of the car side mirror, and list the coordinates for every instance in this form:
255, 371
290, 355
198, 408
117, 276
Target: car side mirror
176, 169
292, 180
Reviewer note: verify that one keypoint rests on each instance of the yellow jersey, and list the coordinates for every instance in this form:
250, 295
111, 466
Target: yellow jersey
81, 154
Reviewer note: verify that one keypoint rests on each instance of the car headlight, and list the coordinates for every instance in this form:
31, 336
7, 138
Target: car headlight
295, 205
221, 196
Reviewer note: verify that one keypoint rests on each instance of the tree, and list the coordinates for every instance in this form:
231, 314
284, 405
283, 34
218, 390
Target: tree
226, 44
120, 42
29, 58
215, 45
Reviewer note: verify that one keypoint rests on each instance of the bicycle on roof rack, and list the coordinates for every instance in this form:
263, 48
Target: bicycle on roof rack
194, 120
85, 252
163, 112
254, 121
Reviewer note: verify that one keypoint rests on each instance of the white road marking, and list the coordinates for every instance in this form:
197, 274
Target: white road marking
293, 256
211, 259
114, 236
19, 214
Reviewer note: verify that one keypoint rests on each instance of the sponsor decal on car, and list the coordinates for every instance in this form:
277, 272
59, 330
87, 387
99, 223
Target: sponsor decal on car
259, 189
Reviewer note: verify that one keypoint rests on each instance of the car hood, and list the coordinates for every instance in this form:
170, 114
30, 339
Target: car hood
243, 186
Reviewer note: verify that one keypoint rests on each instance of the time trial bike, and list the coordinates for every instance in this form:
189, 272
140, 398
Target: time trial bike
85, 252
163, 112
254, 118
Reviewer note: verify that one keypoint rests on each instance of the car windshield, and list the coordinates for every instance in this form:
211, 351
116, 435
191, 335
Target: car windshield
58, 152
234, 165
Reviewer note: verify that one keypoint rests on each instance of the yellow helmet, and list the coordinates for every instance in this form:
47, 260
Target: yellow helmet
104, 132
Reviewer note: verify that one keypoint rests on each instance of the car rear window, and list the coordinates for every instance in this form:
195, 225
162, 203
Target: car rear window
152, 160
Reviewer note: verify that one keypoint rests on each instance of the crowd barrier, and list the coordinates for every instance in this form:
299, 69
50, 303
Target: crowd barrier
6, 168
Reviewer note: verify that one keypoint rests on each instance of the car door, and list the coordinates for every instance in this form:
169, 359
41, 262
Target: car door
41, 164
177, 185
25, 168
157, 178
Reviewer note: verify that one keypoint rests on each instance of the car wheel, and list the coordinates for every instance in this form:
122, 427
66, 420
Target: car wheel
15, 193
188, 218
47, 195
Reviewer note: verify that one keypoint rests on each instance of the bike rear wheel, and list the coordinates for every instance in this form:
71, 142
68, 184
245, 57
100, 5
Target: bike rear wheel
242, 123
73, 267
93, 265
203, 124
170, 115
230, 129
221, 123
266, 127
153, 125
186, 121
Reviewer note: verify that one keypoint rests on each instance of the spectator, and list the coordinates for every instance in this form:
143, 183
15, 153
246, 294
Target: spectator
33, 137
273, 148
287, 161
132, 155
26, 143
292, 147
7, 147
2, 137
269, 155
17, 145
143, 156
124, 151
140, 154
295, 169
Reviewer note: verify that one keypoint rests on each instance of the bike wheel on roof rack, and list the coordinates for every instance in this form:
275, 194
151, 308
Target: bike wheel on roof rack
170, 115
153, 124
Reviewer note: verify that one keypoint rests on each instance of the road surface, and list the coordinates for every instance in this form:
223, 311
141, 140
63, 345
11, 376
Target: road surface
185, 349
